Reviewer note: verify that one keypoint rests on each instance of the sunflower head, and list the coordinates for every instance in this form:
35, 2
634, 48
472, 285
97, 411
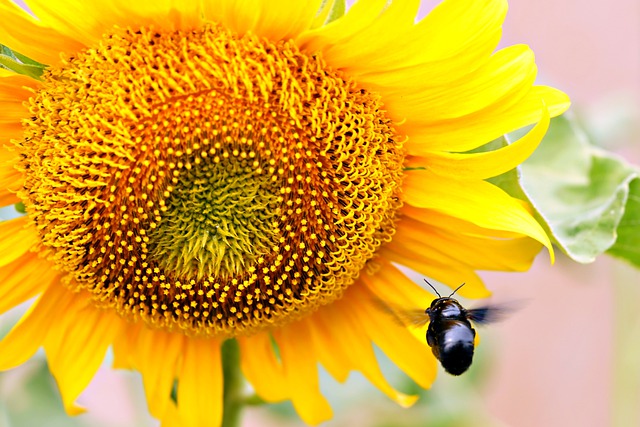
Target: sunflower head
207, 181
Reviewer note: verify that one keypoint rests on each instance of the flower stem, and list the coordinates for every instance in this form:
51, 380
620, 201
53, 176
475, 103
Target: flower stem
233, 396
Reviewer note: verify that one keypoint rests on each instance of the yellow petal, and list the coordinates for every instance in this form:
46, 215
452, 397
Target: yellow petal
441, 220
158, 374
138, 349
389, 26
86, 22
32, 329
125, 347
8, 158
24, 278
10, 179
323, 13
509, 74
359, 16
171, 14
487, 164
461, 25
301, 372
16, 239
404, 293
342, 345
23, 33
437, 263
171, 417
8, 132
15, 89
479, 253
70, 18
261, 368
280, 20
8, 198
475, 201
327, 346
411, 355
450, 273
76, 346
471, 131
200, 383
454, 37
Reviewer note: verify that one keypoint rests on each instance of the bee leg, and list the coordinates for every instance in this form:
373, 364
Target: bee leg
431, 340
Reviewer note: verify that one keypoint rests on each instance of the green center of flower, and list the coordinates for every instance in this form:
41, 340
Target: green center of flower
219, 219
208, 182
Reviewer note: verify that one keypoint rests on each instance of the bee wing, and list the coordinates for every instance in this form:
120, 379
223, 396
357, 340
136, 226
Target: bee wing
401, 315
491, 313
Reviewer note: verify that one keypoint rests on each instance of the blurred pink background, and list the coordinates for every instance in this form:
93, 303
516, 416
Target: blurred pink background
570, 357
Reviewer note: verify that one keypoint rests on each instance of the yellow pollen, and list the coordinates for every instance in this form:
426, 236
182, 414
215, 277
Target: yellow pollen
206, 182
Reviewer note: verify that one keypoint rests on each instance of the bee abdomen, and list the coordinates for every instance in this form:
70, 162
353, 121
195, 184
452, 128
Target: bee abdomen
454, 345
456, 357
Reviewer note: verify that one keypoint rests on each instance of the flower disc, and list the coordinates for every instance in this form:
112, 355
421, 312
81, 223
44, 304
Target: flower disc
208, 182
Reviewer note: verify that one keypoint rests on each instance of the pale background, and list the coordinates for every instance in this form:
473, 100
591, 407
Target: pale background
569, 357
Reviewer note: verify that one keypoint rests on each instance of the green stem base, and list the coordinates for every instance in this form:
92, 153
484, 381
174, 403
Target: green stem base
233, 393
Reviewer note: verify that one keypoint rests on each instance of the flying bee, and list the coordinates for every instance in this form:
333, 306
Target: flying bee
450, 333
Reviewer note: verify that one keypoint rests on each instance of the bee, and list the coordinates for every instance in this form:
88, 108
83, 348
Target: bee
450, 334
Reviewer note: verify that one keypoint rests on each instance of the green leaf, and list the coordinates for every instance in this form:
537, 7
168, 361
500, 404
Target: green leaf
20, 208
20, 64
587, 199
35, 401
508, 181
27, 60
337, 11
627, 245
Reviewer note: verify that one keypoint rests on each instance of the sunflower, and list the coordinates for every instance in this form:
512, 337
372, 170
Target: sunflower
194, 172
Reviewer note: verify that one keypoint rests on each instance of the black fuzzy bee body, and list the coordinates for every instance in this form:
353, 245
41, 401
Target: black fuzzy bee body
450, 335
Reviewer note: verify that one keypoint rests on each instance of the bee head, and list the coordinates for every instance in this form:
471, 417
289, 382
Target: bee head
445, 307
